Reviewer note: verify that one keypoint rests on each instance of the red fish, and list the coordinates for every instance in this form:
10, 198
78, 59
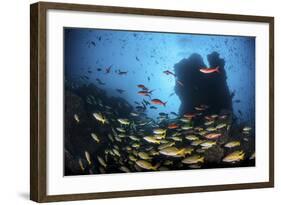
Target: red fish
167, 72
213, 135
173, 126
158, 102
142, 87
145, 92
209, 70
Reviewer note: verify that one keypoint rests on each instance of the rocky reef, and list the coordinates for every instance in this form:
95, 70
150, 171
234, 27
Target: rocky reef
77, 137
202, 89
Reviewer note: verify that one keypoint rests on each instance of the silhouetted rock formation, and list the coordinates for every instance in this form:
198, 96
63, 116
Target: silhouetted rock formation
202, 89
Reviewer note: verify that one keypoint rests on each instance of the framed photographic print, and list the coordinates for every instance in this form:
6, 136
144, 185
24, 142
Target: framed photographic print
133, 102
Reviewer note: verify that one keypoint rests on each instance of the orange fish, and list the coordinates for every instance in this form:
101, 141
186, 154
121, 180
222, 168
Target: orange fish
213, 135
209, 70
145, 92
173, 126
158, 102
142, 87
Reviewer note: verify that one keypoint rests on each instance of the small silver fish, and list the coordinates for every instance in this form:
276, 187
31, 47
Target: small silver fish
76, 118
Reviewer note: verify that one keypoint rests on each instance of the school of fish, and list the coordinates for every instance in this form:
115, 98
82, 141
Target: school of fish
137, 143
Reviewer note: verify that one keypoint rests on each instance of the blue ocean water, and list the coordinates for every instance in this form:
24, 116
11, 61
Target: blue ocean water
143, 56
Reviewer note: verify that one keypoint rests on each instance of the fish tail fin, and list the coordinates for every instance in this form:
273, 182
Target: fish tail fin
242, 156
165, 103
201, 159
156, 166
151, 91
217, 69
164, 134
181, 153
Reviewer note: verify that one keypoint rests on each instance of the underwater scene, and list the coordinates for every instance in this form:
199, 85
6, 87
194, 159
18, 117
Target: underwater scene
139, 101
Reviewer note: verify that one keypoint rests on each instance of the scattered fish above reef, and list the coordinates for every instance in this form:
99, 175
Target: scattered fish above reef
142, 87
145, 92
158, 102
122, 72
167, 72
